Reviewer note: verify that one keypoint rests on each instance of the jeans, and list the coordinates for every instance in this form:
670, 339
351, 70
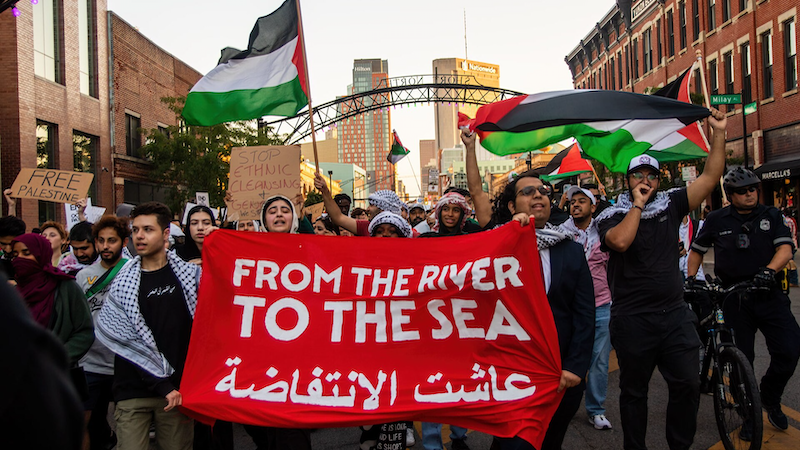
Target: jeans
432, 435
597, 377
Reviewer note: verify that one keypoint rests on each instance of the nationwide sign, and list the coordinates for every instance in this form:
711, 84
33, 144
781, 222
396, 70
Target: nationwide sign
466, 65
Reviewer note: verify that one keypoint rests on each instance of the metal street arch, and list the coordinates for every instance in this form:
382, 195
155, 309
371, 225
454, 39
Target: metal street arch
413, 89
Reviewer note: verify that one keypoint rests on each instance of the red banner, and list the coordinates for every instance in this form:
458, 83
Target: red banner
307, 331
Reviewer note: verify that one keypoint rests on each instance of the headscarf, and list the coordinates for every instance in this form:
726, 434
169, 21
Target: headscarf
37, 280
390, 218
385, 200
452, 198
295, 221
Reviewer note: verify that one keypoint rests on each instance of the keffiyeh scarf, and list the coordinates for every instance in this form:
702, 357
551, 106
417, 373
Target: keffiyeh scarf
120, 325
588, 238
549, 236
624, 204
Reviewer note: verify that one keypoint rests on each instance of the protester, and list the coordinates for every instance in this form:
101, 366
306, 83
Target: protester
567, 281
248, 225
83, 252
146, 320
199, 219
416, 214
324, 227
751, 242
110, 236
580, 228
791, 223
360, 214
452, 211
601, 202
39, 409
55, 233
10, 227
686, 234
379, 201
12, 202
651, 325
343, 201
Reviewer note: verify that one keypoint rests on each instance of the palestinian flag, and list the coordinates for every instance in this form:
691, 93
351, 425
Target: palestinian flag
610, 126
689, 139
565, 164
397, 152
267, 79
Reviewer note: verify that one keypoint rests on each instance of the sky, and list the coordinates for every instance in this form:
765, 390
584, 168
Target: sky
528, 39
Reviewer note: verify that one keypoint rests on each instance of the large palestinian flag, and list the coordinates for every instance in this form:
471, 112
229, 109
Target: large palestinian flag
688, 139
266, 79
610, 126
397, 151
565, 164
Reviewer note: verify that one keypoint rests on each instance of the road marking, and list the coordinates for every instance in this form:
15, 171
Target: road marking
775, 439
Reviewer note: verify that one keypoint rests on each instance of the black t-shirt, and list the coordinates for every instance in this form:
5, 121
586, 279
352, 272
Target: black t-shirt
742, 243
164, 309
646, 278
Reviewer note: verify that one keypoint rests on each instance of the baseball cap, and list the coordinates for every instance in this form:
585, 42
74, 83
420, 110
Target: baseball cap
575, 189
643, 161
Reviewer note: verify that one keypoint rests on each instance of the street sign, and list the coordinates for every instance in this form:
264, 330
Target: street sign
689, 173
726, 99
749, 108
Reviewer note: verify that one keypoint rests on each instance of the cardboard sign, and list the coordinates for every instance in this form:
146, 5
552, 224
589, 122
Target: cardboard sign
258, 173
315, 210
202, 198
51, 185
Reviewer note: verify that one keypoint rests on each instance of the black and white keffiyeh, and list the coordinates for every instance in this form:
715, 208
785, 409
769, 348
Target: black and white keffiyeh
588, 238
120, 325
385, 200
390, 218
624, 204
549, 236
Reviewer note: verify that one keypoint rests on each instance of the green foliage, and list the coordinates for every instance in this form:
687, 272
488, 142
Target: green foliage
186, 159
312, 198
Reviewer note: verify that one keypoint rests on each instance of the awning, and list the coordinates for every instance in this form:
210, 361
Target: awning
779, 169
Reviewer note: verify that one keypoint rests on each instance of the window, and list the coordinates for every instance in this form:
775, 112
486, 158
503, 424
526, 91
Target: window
747, 93
698, 88
647, 48
635, 51
612, 74
713, 77
46, 45
599, 78
682, 19
670, 34
619, 68
84, 157
87, 47
766, 63
726, 10
695, 20
743, 4
658, 40
790, 50
727, 60
46, 135
627, 66
712, 14
133, 140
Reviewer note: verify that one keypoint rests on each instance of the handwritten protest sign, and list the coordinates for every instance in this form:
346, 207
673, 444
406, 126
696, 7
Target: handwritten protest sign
92, 213
258, 173
404, 329
72, 213
315, 210
58, 186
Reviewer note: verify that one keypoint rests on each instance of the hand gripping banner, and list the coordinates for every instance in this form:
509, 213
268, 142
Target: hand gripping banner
305, 331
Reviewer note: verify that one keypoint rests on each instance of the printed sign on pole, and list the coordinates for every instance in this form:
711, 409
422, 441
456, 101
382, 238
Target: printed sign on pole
202, 198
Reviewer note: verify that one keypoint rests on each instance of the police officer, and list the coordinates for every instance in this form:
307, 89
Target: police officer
752, 243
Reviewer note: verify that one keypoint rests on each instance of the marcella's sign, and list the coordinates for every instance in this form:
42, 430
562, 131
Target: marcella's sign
776, 174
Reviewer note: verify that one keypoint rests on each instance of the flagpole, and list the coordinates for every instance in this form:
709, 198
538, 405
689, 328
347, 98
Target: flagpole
308, 85
700, 62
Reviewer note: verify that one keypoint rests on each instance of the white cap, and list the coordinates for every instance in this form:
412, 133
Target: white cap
575, 189
643, 161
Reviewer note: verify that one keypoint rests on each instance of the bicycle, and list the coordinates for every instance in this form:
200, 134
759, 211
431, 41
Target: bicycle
737, 401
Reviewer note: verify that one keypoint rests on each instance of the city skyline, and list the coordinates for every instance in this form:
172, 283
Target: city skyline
528, 41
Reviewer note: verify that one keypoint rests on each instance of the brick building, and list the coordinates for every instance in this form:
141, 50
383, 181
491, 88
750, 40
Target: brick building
57, 105
747, 47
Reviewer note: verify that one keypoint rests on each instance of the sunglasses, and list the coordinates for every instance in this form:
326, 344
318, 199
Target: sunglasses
639, 176
529, 190
745, 190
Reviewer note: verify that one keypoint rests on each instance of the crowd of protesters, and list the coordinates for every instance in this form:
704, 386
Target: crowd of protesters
120, 296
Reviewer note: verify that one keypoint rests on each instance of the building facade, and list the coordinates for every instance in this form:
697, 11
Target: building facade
461, 71
351, 178
747, 47
365, 139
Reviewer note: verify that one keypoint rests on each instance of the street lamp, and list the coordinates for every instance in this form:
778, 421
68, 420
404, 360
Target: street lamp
330, 178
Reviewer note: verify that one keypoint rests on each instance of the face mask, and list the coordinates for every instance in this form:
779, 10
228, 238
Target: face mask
24, 267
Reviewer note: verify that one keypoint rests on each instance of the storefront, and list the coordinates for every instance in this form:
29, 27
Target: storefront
780, 183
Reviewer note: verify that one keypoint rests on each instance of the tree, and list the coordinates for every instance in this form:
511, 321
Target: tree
187, 159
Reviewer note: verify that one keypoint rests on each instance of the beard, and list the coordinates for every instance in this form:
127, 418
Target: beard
113, 257
416, 221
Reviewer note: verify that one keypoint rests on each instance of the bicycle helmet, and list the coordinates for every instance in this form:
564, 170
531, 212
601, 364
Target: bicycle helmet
739, 178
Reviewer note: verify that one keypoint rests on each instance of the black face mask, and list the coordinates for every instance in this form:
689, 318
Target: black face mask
416, 221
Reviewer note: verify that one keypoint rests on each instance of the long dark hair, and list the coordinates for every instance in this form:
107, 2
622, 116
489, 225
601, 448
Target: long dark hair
500, 212
189, 250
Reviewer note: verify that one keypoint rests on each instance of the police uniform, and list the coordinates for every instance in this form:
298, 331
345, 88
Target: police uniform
744, 244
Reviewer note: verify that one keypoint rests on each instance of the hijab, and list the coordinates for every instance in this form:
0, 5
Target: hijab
452, 198
37, 280
295, 221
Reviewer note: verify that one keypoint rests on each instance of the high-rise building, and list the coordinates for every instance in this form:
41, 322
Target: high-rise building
461, 71
427, 152
365, 139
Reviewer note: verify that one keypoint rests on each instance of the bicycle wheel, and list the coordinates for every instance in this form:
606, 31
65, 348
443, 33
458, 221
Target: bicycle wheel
737, 402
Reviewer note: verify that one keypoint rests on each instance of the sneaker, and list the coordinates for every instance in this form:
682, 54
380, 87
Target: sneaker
410, 441
600, 422
746, 432
776, 417
459, 444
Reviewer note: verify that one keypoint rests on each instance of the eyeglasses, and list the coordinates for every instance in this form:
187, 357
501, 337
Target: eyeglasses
639, 176
529, 190
745, 190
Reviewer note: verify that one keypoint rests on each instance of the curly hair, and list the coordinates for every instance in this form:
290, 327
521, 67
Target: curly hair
119, 224
500, 212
